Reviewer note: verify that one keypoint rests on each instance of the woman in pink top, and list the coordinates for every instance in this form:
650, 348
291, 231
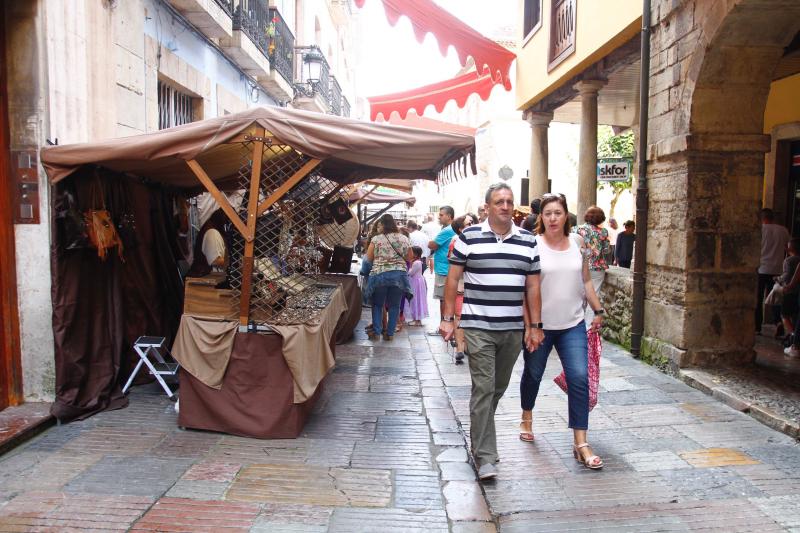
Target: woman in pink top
565, 282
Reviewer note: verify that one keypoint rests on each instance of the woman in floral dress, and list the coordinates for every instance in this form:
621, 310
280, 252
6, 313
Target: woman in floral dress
597, 249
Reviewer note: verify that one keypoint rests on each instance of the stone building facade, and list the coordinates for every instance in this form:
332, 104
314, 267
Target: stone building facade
81, 70
716, 124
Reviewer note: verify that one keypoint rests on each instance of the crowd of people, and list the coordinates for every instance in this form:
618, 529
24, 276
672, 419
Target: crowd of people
502, 290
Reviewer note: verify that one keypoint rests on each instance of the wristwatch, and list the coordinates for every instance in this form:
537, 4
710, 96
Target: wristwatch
600, 311
448, 319
536, 325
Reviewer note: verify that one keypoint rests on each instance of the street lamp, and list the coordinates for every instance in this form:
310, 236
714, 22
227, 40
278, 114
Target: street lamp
313, 60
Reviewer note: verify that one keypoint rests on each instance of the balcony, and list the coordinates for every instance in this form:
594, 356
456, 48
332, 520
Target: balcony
280, 50
248, 43
345, 107
210, 17
313, 85
335, 97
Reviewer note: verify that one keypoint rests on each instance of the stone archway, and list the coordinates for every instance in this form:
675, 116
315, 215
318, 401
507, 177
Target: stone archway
710, 78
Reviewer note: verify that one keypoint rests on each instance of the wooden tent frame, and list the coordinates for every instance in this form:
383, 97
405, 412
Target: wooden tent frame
254, 209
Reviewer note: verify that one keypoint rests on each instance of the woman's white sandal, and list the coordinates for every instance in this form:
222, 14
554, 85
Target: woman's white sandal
593, 462
526, 436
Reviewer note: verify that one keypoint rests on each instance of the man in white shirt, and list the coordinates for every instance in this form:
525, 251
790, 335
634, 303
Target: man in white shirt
419, 238
774, 239
431, 229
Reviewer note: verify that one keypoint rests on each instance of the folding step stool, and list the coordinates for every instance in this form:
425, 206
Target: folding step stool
146, 347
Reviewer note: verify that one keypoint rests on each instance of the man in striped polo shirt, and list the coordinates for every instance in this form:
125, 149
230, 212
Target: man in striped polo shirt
500, 264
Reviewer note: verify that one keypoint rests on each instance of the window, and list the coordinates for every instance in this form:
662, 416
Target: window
531, 18
174, 107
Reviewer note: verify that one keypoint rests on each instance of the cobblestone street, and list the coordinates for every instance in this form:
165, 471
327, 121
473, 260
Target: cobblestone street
385, 451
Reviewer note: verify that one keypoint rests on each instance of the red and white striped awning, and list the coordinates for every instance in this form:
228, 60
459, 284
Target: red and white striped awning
492, 61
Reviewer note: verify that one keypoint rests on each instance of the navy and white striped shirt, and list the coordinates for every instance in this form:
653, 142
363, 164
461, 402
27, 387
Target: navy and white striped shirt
495, 270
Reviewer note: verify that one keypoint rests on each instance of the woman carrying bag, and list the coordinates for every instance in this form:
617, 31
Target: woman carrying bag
565, 283
388, 281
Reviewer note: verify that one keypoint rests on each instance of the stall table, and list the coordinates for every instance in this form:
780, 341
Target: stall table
257, 397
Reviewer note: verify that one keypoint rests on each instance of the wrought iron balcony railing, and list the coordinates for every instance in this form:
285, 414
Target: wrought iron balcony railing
226, 5
252, 17
335, 97
345, 107
314, 73
280, 49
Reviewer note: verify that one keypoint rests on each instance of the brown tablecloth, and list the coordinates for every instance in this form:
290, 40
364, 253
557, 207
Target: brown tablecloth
352, 294
307, 347
203, 347
257, 394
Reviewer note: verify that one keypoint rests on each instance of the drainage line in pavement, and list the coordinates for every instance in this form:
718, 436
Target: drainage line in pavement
640, 255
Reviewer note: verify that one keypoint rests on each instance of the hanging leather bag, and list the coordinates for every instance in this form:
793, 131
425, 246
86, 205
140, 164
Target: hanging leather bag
99, 224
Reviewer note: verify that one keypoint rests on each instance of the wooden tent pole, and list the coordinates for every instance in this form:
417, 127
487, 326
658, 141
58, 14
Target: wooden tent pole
249, 246
288, 184
221, 199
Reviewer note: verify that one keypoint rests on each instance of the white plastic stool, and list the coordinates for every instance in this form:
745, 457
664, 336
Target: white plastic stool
153, 346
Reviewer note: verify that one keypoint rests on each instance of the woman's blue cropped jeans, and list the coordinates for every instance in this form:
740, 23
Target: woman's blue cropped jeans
572, 347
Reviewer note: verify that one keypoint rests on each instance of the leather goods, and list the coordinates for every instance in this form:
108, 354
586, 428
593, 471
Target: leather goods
102, 233
99, 224
73, 225
341, 260
340, 212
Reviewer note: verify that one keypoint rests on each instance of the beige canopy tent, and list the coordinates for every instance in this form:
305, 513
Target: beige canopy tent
349, 150
273, 158
267, 152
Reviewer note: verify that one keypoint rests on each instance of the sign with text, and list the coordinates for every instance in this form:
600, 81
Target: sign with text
614, 169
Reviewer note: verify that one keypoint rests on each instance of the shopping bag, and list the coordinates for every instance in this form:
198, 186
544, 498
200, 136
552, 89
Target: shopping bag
595, 348
775, 296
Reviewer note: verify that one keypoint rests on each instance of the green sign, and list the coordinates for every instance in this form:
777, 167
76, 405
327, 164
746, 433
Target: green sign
614, 169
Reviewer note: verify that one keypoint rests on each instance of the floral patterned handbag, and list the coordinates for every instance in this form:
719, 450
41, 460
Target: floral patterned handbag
595, 348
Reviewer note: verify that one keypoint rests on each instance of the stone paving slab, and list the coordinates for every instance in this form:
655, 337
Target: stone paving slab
178, 514
386, 449
57, 511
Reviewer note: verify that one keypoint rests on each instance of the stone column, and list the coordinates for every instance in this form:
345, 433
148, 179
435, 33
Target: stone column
540, 122
587, 159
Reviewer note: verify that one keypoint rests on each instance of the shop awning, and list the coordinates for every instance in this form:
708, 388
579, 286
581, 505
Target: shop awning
492, 61
351, 150
437, 95
427, 17
413, 120
380, 197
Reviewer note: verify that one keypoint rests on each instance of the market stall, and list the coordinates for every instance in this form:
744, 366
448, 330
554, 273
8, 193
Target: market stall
257, 336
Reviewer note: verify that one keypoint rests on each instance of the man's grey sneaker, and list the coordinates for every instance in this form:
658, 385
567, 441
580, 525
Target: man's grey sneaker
487, 471
459, 357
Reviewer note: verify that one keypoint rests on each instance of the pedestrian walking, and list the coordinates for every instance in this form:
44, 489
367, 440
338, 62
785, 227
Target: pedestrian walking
459, 225
439, 246
565, 282
430, 228
596, 242
417, 308
421, 239
500, 265
774, 238
388, 281
789, 283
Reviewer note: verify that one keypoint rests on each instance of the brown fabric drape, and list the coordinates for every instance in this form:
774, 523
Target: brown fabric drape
203, 348
257, 394
352, 295
101, 307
